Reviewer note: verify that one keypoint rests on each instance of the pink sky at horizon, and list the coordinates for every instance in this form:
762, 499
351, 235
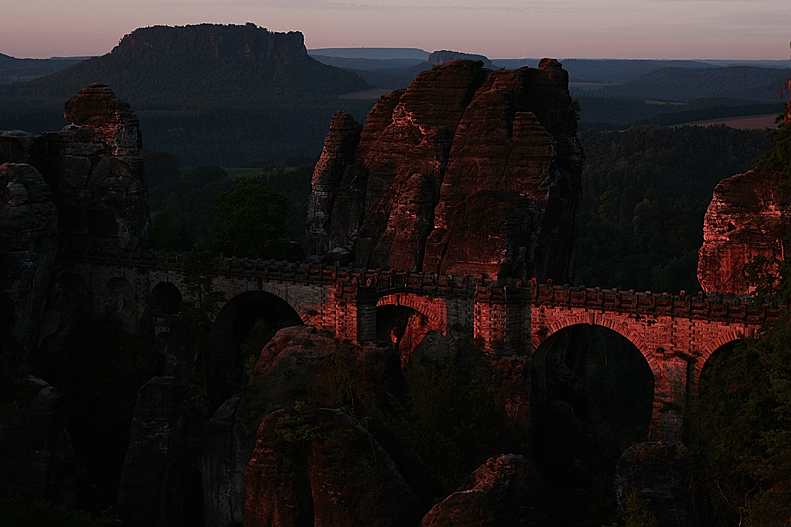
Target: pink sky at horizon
637, 29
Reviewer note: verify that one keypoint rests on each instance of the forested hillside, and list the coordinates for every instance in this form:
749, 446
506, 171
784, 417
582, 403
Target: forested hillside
644, 195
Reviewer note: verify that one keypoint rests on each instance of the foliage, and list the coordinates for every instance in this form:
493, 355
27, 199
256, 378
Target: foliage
636, 512
165, 235
644, 195
744, 421
250, 220
261, 333
779, 157
619, 380
160, 166
294, 426
449, 418
17, 512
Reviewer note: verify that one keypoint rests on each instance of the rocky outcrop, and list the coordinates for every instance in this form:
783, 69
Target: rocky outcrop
436, 58
152, 487
505, 490
321, 467
36, 451
747, 218
95, 170
334, 181
664, 474
294, 366
81, 186
216, 40
29, 232
467, 171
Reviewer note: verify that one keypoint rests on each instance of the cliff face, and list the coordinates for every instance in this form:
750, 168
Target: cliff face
467, 171
93, 168
747, 217
218, 41
83, 185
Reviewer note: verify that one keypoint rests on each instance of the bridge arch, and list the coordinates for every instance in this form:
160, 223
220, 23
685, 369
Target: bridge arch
434, 309
570, 318
164, 298
721, 341
239, 319
280, 290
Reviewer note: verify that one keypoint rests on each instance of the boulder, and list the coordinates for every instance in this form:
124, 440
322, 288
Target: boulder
321, 467
152, 490
506, 490
29, 231
747, 217
664, 474
36, 450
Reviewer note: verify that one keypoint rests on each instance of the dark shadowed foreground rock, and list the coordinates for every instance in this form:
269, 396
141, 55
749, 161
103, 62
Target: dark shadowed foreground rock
29, 233
467, 171
288, 369
151, 490
95, 169
36, 453
663, 473
747, 217
321, 467
505, 490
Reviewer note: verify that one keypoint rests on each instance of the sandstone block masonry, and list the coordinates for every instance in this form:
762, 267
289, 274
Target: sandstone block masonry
676, 334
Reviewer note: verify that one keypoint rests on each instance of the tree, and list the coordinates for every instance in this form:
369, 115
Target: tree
250, 220
745, 397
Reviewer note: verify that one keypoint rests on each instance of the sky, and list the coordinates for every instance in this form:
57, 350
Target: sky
639, 29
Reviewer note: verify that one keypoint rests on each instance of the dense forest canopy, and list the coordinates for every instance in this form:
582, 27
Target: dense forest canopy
644, 194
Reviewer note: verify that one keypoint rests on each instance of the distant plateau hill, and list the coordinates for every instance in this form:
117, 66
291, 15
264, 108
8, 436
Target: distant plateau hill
210, 93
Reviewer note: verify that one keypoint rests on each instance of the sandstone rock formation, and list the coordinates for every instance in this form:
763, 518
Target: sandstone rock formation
294, 366
36, 452
467, 171
151, 490
95, 169
29, 233
83, 185
217, 40
665, 474
321, 467
747, 217
436, 58
505, 490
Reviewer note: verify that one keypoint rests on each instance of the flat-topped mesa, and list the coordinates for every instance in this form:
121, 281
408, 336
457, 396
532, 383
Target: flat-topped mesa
747, 217
467, 171
217, 40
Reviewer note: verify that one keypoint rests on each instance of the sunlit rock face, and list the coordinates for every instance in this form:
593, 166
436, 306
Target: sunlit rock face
467, 171
747, 217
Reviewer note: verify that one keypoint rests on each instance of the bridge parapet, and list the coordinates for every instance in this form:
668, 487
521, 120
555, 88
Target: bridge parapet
714, 306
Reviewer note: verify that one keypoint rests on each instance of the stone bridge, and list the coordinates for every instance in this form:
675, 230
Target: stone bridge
676, 334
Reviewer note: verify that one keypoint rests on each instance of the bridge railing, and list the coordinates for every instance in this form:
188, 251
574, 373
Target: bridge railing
379, 283
717, 307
